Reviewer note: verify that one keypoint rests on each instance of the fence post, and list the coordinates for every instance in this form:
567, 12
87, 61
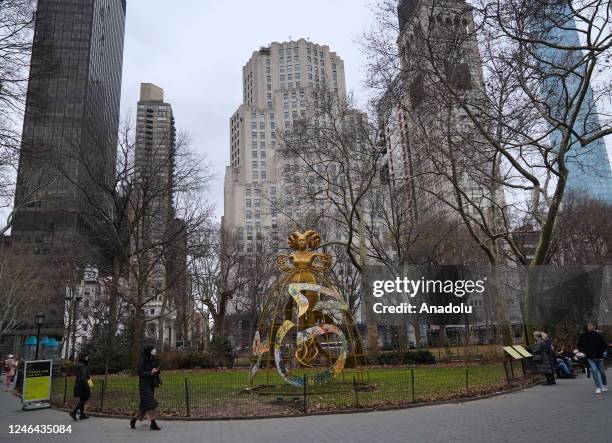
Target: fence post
467, 383
356, 394
305, 394
187, 398
508, 379
412, 384
102, 396
65, 389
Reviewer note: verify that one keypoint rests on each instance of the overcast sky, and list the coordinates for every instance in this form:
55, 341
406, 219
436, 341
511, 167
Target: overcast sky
195, 50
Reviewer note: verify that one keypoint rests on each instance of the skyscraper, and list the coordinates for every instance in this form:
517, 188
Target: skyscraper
277, 81
589, 168
156, 241
70, 129
426, 131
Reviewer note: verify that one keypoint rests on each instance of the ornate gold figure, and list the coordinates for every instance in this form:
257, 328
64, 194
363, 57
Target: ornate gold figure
306, 300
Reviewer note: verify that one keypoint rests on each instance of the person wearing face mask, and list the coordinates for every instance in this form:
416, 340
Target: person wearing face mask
82, 386
148, 380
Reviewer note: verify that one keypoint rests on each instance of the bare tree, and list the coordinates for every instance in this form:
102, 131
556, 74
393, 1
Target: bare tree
332, 159
16, 288
583, 235
499, 96
16, 37
146, 215
227, 280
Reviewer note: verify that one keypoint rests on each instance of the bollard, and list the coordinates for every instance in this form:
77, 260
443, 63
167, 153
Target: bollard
187, 398
356, 394
412, 384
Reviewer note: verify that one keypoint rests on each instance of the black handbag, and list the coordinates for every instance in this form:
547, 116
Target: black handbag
157, 381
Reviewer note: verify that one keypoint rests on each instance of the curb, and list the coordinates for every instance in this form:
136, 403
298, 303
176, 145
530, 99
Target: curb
331, 412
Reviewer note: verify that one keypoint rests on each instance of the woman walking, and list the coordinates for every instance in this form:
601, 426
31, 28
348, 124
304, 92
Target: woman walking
10, 365
82, 386
542, 358
148, 380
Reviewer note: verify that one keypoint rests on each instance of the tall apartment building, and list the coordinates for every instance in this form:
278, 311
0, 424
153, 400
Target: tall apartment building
153, 210
422, 124
71, 119
277, 81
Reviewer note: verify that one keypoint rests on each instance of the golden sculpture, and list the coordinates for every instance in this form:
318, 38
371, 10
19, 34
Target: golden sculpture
306, 319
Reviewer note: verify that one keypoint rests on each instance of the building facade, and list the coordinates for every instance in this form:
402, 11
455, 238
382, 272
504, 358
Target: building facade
277, 81
158, 241
71, 121
589, 171
429, 134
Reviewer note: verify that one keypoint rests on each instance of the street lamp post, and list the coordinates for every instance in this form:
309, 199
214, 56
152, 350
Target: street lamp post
40, 319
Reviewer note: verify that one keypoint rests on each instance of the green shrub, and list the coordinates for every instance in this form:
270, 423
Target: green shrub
185, 360
407, 358
221, 351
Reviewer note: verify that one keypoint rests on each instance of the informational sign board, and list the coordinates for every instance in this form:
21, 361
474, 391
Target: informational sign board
521, 350
37, 381
510, 350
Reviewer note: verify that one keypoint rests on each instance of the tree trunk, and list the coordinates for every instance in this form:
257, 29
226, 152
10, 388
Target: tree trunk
112, 315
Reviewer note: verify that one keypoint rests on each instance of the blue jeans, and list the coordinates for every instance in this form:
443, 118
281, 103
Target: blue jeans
560, 364
598, 371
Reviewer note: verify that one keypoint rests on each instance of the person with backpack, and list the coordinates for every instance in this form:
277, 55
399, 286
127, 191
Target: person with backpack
592, 344
10, 366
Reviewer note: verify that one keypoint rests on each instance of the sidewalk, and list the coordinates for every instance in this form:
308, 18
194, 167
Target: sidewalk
567, 412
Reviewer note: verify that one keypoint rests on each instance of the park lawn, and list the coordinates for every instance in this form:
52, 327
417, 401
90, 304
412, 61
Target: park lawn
223, 393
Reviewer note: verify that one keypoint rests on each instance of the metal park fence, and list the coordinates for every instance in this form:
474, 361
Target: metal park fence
224, 393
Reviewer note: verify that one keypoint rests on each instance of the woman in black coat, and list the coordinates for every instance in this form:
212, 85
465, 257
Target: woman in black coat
148, 380
82, 390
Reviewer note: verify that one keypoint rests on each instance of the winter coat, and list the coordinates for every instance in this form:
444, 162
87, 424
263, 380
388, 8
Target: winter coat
10, 364
550, 353
592, 344
147, 382
543, 361
82, 375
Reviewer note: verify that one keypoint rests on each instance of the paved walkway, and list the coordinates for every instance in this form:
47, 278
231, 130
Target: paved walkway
567, 412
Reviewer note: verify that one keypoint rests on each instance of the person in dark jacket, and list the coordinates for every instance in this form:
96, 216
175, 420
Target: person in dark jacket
542, 359
592, 345
148, 380
550, 353
82, 389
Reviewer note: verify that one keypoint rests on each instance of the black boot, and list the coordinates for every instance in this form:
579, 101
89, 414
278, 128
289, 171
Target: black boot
83, 416
154, 426
133, 423
72, 414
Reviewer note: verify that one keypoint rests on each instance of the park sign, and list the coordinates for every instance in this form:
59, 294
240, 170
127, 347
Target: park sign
36, 384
